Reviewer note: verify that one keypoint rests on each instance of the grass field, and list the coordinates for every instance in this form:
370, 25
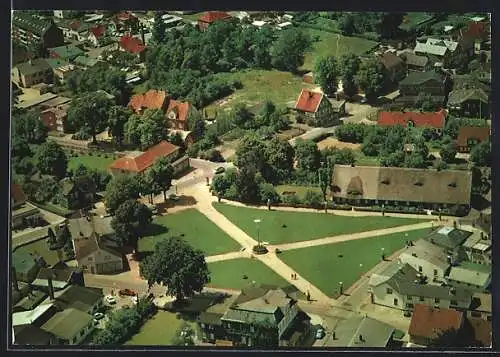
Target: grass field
363, 160
229, 274
160, 330
331, 44
322, 266
41, 248
91, 162
198, 231
260, 85
300, 191
319, 225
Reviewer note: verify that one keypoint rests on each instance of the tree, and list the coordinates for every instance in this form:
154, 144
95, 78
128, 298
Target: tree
221, 183
162, 173
20, 148
146, 130
349, 66
243, 118
415, 161
51, 159
371, 78
196, 125
247, 185
426, 102
178, 266
394, 159
346, 25
250, 153
120, 189
279, 157
28, 126
117, 118
279, 121
326, 72
287, 52
351, 133
268, 193
448, 151
159, 28
324, 176
480, 154
307, 155
265, 113
89, 112
389, 24
313, 198
131, 222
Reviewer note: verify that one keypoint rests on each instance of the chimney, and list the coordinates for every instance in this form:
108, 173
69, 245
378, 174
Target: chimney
414, 255
482, 235
361, 338
453, 291
30, 62
14, 279
51, 287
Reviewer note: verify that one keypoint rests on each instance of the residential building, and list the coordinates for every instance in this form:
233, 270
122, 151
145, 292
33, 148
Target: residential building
468, 137
428, 323
416, 63
429, 82
338, 106
400, 286
134, 46
476, 32
125, 21
478, 248
436, 48
260, 316
210, 320
178, 114
62, 69
435, 121
428, 259
210, 17
481, 331
308, 78
56, 119
312, 104
97, 35
430, 189
394, 65
75, 30
85, 299
152, 99
29, 29
70, 326
469, 102
61, 278
25, 265
36, 317
481, 307
32, 72
473, 276
448, 238
32, 335
95, 252
86, 62
67, 53
361, 331
78, 193
24, 214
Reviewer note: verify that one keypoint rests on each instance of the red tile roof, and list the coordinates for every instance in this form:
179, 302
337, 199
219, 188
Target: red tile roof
212, 16
145, 160
75, 25
98, 31
132, 44
476, 30
152, 99
125, 16
429, 322
482, 330
423, 119
466, 133
308, 101
17, 193
182, 109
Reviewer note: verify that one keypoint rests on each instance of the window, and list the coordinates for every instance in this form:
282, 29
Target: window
395, 302
420, 269
409, 297
436, 300
435, 272
488, 317
389, 291
422, 298
409, 305
475, 314
454, 302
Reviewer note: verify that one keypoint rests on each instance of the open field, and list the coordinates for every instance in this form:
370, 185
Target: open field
260, 85
229, 274
324, 268
333, 142
319, 225
197, 229
331, 44
161, 329
91, 162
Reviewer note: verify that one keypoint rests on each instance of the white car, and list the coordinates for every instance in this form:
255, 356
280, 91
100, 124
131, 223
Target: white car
110, 299
98, 316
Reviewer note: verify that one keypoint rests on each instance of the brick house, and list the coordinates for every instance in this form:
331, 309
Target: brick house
424, 188
152, 99
97, 34
29, 30
33, 72
23, 213
210, 17
78, 193
313, 104
134, 46
435, 121
468, 137
140, 162
56, 119
427, 323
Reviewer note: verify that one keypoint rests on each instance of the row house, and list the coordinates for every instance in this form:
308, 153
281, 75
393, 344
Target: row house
30, 30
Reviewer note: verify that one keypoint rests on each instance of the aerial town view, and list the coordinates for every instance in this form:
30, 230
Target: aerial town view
244, 179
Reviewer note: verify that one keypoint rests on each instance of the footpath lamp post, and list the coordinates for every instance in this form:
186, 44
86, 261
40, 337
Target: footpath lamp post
257, 221
383, 254
341, 288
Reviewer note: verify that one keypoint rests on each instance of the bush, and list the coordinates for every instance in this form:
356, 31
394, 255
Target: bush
292, 199
313, 199
232, 193
90, 153
237, 84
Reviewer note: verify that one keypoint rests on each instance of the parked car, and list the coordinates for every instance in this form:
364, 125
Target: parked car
98, 316
219, 170
173, 197
110, 299
320, 333
127, 292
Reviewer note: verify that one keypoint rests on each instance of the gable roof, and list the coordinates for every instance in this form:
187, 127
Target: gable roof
416, 60
80, 297
309, 101
152, 99
459, 96
132, 44
420, 119
87, 246
451, 45
429, 322
448, 237
182, 109
471, 275
419, 78
67, 323
31, 335
362, 331
33, 66
30, 23
146, 159
402, 184
67, 52
390, 61
86, 61
431, 49
83, 227
212, 16
471, 132
17, 194
98, 31
30, 316
427, 252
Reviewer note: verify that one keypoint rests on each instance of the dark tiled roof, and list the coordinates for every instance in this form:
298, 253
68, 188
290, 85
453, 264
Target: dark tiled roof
416, 60
459, 96
33, 66
418, 78
447, 237
82, 298
31, 335
30, 23
86, 246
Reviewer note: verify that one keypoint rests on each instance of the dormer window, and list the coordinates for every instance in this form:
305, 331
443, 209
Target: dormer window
419, 183
386, 181
452, 184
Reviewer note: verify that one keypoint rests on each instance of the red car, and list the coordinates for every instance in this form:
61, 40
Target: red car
127, 292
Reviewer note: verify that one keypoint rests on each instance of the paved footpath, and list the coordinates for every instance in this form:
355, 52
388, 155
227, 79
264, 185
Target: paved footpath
227, 256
